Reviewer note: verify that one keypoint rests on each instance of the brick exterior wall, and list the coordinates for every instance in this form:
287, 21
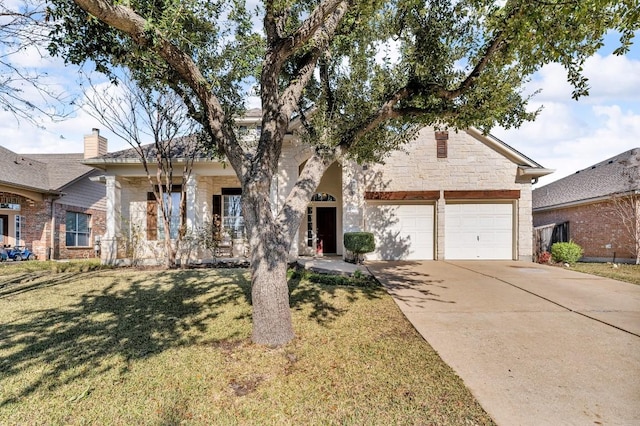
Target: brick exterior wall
36, 228
98, 228
594, 227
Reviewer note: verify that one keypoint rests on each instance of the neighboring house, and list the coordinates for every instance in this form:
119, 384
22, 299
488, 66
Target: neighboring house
443, 196
49, 204
597, 208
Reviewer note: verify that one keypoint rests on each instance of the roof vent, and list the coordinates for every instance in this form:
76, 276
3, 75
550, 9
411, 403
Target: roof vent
610, 162
593, 167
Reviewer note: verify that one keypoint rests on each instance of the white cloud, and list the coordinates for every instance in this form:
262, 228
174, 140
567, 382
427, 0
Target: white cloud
560, 141
610, 77
613, 77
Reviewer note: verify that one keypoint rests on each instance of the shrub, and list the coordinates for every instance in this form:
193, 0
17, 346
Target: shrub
566, 252
359, 243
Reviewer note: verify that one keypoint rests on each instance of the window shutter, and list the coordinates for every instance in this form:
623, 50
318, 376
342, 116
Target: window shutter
441, 144
152, 217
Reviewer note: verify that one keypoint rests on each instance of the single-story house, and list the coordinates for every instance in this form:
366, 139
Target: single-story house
446, 195
598, 208
49, 203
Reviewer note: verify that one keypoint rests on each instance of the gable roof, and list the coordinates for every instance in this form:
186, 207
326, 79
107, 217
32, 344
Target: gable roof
615, 175
527, 168
48, 173
181, 148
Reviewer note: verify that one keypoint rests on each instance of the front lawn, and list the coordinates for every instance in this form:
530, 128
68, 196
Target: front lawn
620, 272
126, 347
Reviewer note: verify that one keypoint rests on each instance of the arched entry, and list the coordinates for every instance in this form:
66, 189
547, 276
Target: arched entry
322, 229
323, 223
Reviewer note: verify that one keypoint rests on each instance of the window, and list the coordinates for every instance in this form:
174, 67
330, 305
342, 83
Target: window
232, 219
172, 203
18, 233
323, 196
155, 218
10, 206
78, 229
310, 238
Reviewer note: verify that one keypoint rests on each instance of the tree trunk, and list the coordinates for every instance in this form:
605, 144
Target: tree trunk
269, 260
270, 296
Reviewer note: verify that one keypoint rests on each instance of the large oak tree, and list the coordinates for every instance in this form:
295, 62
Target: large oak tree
360, 75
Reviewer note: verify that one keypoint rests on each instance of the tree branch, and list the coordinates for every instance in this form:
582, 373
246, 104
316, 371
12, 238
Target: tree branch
128, 21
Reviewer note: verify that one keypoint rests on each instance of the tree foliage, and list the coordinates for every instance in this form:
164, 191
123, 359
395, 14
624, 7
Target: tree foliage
361, 76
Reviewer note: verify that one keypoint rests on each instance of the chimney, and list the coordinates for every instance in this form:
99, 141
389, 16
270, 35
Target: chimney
94, 144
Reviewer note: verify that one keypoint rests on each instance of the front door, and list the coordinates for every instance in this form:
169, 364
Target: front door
326, 228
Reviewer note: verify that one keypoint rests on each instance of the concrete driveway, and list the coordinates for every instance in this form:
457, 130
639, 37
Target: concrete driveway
537, 345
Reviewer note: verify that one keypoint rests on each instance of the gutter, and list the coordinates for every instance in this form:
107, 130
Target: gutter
31, 188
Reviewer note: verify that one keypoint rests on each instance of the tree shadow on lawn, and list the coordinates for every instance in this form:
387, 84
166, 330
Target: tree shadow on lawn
319, 296
135, 317
130, 319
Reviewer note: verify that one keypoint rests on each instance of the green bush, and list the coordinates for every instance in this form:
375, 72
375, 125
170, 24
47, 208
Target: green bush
566, 252
356, 244
359, 242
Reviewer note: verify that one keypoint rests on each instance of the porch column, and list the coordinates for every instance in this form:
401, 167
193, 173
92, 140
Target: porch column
109, 242
191, 206
352, 197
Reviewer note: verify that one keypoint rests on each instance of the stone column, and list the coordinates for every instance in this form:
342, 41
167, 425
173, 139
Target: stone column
352, 197
191, 206
109, 242
353, 204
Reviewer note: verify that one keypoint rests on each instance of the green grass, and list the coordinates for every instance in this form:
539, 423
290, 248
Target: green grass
621, 272
126, 347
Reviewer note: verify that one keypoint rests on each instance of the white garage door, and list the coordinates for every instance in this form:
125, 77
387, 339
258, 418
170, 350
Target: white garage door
478, 231
402, 231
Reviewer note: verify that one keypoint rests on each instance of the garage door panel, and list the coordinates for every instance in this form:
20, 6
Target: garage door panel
403, 231
479, 231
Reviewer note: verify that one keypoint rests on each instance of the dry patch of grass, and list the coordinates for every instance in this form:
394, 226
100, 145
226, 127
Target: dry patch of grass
621, 272
172, 347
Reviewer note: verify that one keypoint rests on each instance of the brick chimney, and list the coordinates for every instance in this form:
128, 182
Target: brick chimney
94, 144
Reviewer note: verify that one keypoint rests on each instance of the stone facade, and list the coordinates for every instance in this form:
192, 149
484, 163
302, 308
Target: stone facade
469, 165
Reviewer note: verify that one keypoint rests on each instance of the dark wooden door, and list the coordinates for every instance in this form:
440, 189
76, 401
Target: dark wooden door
326, 228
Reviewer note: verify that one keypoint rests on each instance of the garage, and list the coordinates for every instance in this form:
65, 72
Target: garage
402, 231
479, 231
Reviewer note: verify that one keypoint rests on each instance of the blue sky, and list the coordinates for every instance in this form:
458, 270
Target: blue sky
567, 136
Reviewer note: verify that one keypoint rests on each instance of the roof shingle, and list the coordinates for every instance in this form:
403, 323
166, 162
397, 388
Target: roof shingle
615, 175
41, 172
